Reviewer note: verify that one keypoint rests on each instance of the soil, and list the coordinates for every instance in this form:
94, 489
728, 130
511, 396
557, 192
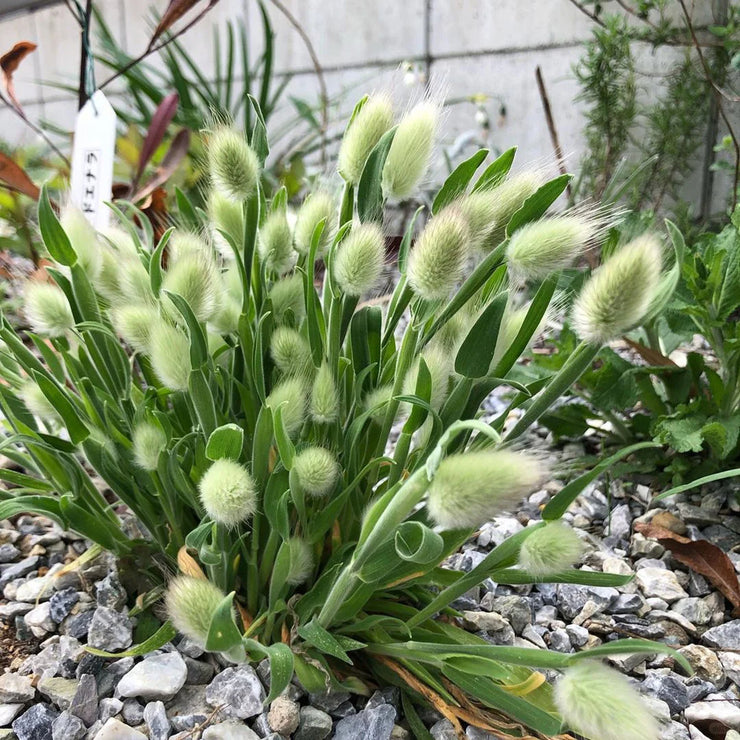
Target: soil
12, 648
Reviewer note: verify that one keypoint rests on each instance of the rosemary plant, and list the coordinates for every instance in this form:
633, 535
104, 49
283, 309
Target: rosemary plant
246, 416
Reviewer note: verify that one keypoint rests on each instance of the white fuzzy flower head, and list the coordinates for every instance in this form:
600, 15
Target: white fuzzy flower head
275, 245
134, 323
195, 277
37, 403
376, 402
290, 351
469, 489
169, 352
149, 440
233, 164
228, 492
600, 704
439, 364
619, 293
324, 403
373, 120
409, 152
317, 206
290, 396
47, 309
358, 262
133, 281
83, 239
550, 550
191, 603
301, 561
226, 215
317, 471
437, 260
286, 296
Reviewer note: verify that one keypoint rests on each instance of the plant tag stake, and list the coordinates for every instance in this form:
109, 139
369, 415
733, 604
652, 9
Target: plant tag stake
92, 159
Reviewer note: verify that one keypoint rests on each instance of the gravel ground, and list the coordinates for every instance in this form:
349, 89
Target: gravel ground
53, 688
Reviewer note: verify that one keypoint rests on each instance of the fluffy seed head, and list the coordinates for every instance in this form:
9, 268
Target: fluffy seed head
191, 603
409, 153
47, 309
599, 703
194, 276
358, 261
290, 396
538, 249
511, 324
439, 364
437, 260
317, 471
228, 492
149, 440
275, 244
184, 243
324, 403
169, 352
301, 561
377, 400
133, 281
119, 240
290, 351
134, 323
470, 488
226, 318
549, 550
317, 206
619, 292
37, 403
286, 296
233, 165
83, 239
373, 120
107, 282
489, 211
226, 215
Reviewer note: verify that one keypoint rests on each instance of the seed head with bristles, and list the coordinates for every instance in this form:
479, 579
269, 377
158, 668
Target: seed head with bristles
134, 282
233, 164
191, 603
550, 550
290, 396
317, 471
134, 322
317, 206
228, 492
169, 352
286, 296
83, 239
324, 402
599, 703
275, 243
47, 309
373, 120
149, 440
358, 261
439, 364
409, 152
376, 401
437, 259
195, 277
468, 489
301, 561
619, 293
37, 402
226, 215
290, 351
538, 249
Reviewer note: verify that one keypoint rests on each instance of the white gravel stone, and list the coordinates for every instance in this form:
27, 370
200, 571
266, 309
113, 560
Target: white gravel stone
115, 730
659, 583
158, 677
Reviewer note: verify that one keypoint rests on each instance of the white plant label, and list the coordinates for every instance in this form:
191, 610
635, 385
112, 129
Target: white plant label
92, 159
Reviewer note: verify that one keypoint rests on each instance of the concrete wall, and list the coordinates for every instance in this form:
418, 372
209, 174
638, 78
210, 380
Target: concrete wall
489, 47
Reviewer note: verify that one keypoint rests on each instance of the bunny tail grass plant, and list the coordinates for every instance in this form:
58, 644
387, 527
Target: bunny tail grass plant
305, 466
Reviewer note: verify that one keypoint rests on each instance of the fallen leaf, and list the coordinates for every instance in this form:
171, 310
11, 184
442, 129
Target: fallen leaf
651, 356
14, 176
701, 556
9, 63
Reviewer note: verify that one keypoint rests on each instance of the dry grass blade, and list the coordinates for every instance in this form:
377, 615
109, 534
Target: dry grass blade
9, 64
16, 178
701, 556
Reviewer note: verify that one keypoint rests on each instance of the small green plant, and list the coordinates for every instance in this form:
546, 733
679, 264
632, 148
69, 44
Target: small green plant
248, 428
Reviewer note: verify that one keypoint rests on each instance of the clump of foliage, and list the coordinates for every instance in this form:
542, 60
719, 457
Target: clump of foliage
247, 428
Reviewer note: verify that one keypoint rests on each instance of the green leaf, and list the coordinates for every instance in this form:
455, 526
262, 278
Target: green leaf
55, 239
693, 484
370, 188
226, 441
161, 637
314, 634
282, 665
632, 646
198, 342
475, 355
155, 262
417, 543
202, 397
73, 420
285, 447
458, 180
43, 505
223, 634
537, 204
514, 576
559, 503
495, 173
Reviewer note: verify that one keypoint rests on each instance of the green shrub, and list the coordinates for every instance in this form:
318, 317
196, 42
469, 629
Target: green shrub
257, 457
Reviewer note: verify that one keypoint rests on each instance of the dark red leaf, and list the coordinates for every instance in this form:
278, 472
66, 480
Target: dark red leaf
14, 176
158, 128
175, 154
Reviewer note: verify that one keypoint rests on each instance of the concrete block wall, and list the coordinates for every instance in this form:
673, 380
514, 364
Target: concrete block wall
470, 47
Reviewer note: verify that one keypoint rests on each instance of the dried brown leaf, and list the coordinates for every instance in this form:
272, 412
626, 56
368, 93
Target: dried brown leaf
176, 9
189, 565
651, 356
701, 556
16, 178
9, 64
